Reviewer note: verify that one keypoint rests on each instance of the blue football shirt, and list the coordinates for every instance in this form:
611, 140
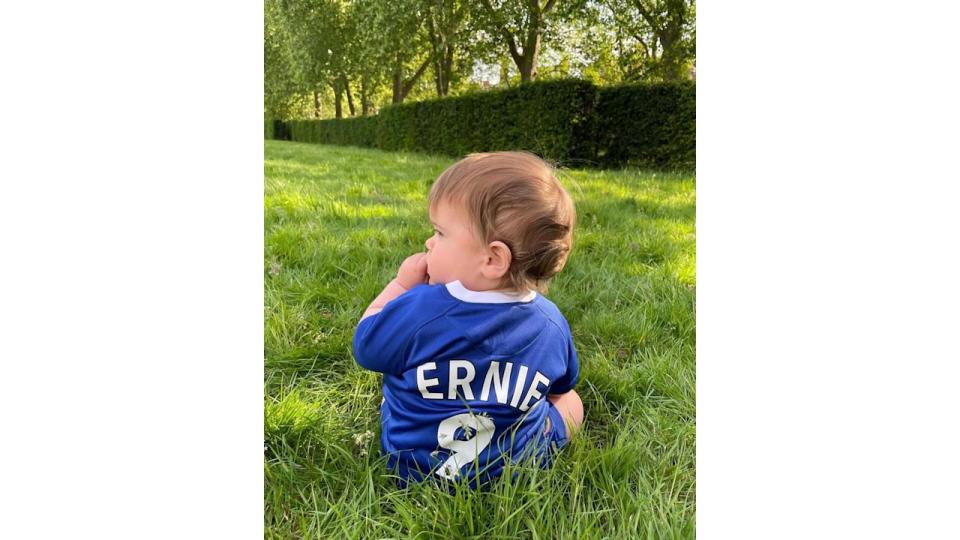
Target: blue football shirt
466, 378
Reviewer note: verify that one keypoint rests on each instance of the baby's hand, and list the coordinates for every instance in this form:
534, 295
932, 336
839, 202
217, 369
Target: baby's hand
413, 271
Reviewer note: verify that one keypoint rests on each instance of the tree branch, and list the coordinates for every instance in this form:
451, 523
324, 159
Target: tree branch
503, 31
413, 80
431, 31
646, 15
646, 52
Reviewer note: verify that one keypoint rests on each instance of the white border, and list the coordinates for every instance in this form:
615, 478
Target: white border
133, 270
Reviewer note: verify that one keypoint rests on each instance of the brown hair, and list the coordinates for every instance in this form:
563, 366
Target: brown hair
514, 197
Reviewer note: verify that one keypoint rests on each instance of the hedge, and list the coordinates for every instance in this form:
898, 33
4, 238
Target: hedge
570, 121
358, 131
647, 124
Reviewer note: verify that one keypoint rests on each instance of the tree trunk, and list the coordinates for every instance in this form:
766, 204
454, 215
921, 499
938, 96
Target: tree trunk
337, 99
436, 48
316, 104
528, 64
443, 70
438, 77
364, 98
531, 48
398, 82
346, 85
447, 69
669, 39
528, 69
505, 71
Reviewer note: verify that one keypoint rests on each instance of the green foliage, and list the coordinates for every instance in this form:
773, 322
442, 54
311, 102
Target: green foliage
282, 81
569, 121
314, 50
659, 36
647, 124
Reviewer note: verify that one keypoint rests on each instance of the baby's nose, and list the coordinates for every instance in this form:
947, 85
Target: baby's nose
428, 243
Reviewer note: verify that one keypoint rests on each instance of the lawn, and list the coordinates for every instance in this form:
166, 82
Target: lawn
337, 223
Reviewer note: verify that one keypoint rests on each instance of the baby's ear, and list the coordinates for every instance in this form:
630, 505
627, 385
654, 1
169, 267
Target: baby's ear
498, 260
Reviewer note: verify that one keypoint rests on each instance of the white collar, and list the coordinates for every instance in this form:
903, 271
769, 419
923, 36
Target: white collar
458, 291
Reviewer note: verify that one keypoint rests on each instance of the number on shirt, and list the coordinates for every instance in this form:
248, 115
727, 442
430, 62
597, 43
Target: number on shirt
478, 429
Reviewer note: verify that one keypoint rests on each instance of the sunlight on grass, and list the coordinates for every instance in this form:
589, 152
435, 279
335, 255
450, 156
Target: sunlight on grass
337, 223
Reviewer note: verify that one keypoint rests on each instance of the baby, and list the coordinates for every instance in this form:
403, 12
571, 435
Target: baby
478, 366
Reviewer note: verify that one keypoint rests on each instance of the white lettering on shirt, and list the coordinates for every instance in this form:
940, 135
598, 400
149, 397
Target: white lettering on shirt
533, 392
463, 383
521, 380
425, 384
499, 383
497, 376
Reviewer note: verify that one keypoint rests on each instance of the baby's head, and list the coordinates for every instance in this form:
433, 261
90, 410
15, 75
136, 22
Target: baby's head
502, 222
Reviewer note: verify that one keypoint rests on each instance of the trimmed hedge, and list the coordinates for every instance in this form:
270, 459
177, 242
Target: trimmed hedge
541, 117
570, 121
357, 131
648, 125
276, 129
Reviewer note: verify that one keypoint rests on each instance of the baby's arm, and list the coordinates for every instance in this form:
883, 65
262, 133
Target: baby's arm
413, 271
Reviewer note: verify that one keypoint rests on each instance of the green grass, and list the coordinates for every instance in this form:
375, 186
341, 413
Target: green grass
338, 222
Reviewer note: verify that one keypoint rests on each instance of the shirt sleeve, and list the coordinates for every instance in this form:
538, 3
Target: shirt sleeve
569, 379
381, 341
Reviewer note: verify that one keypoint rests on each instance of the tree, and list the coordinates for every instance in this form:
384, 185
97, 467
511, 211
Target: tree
665, 31
602, 62
445, 29
319, 54
393, 41
281, 81
520, 26
322, 35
